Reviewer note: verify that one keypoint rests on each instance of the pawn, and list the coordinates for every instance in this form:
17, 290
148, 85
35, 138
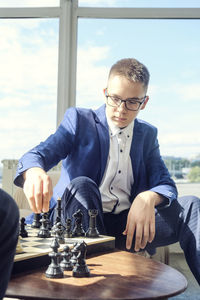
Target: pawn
36, 221
92, 230
74, 253
54, 270
23, 232
58, 229
66, 264
44, 229
19, 248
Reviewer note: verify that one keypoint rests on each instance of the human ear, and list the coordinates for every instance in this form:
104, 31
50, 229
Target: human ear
145, 102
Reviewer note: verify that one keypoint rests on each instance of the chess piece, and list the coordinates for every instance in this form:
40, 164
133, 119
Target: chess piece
68, 232
19, 248
23, 232
44, 229
74, 253
58, 229
66, 264
36, 221
59, 211
54, 270
78, 228
81, 269
92, 230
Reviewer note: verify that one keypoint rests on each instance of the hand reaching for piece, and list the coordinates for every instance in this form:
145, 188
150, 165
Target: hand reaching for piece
38, 189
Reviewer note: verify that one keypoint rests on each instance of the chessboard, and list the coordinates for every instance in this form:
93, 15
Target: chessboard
35, 250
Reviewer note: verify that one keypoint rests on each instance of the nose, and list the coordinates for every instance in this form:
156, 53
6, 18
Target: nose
122, 106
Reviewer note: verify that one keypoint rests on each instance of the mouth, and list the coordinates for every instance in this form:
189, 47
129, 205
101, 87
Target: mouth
119, 119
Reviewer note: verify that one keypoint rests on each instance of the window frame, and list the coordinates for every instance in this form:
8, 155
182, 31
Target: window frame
68, 13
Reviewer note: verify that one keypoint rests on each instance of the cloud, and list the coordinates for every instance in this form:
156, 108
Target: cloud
188, 92
100, 3
185, 143
92, 75
28, 3
26, 58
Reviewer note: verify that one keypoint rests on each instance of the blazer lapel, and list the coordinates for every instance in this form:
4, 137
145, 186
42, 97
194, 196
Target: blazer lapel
103, 132
135, 152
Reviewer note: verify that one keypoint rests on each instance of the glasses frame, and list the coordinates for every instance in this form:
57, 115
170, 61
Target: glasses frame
125, 101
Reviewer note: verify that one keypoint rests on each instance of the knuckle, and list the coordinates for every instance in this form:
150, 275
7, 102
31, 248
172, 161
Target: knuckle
38, 194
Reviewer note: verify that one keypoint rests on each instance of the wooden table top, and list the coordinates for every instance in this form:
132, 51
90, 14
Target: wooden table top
114, 275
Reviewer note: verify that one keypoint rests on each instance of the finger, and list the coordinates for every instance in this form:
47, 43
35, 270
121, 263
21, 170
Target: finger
38, 187
29, 193
47, 193
129, 237
138, 237
152, 230
145, 237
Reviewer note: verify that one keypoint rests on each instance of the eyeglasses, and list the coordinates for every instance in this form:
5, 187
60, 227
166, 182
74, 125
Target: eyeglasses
130, 104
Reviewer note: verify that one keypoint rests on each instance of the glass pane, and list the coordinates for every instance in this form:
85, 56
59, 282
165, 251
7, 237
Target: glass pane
139, 3
29, 3
170, 49
28, 81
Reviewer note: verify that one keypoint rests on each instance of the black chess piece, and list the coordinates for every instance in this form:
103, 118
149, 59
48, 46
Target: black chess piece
59, 211
36, 221
54, 270
78, 228
68, 232
81, 269
66, 264
59, 230
44, 231
22, 231
92, 230
74, 253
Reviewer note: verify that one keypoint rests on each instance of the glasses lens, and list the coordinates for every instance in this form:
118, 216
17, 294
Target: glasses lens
112, 101
132, 105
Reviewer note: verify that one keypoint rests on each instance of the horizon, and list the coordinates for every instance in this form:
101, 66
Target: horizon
169, 48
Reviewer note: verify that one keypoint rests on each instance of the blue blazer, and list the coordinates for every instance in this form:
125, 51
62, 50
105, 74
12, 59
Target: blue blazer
82, 143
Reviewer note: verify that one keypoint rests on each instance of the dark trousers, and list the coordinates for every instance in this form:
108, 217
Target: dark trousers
178, 222
9, 225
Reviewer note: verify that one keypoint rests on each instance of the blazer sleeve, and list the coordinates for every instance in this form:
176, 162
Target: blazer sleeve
55, 148
160, 180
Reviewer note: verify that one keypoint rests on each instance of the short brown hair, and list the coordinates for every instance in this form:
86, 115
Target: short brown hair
131, 69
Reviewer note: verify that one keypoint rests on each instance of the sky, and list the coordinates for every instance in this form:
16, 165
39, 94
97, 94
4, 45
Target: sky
29, 65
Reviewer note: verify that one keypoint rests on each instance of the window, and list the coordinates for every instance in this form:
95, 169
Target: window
28, 80
170, 49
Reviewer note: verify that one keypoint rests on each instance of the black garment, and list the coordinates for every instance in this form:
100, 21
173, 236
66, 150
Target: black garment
9, 226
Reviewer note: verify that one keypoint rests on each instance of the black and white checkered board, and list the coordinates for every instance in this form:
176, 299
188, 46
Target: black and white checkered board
33, 246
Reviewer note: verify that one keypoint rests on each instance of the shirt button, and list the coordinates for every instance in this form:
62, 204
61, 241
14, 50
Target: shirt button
121, 150
119, 171
111, 188
128, 136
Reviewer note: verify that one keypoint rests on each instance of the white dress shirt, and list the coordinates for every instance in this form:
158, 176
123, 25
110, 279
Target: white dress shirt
115, 187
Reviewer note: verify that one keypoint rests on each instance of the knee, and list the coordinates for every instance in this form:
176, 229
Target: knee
190, 201
83, 181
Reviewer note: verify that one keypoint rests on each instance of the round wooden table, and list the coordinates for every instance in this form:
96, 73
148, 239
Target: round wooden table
114, 275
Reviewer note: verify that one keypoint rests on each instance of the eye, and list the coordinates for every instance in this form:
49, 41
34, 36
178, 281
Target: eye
115, 99
133, 101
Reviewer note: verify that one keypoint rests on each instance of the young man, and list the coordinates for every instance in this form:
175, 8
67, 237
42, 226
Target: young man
9, 224
111, 162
